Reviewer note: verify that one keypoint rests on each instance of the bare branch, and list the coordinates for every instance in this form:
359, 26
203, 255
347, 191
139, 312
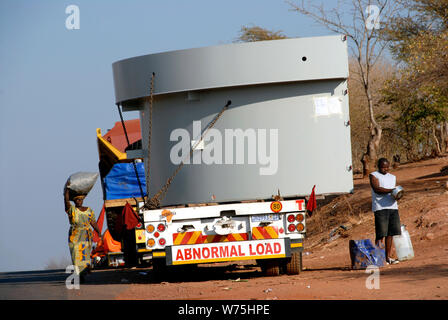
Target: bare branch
367, 47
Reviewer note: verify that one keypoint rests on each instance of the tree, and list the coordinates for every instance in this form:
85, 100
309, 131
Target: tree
380, 73
256, 33
419, 42
364, 31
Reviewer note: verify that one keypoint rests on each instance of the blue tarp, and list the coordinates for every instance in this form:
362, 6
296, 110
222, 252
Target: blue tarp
121, 181
363, 254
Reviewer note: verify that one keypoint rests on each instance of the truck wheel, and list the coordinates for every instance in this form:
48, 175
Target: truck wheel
270, 268
294, 264
159, 265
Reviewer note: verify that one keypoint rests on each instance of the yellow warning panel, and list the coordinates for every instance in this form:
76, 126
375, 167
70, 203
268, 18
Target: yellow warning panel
140, 236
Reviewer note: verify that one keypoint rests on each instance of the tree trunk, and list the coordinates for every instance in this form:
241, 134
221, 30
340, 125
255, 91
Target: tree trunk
445, 125
437, 150
370, 158
442, 137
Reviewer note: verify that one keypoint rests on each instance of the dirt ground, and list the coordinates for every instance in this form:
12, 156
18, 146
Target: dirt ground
326, 261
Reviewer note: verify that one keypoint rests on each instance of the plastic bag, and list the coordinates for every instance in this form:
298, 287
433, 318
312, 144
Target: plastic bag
80, 183
363, 254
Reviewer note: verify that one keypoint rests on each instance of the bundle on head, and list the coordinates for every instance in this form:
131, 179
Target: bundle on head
80, 184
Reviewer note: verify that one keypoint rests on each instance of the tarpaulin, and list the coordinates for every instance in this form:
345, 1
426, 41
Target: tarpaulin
110, 245
121, 181
105, 245
363, 254
99, 222
127, 219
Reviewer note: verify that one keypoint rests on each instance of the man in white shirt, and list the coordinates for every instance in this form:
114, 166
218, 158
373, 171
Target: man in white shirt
385, 207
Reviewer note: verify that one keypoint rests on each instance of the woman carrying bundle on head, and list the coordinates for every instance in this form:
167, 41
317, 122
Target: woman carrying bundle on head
80, 235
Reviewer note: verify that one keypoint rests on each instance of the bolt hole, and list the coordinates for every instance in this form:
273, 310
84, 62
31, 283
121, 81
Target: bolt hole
303, 58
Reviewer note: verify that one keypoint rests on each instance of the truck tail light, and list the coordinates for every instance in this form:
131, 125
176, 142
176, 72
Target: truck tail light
156, 234
151, 243
138, 226
161, 227
295, 222
162, 241
150, 228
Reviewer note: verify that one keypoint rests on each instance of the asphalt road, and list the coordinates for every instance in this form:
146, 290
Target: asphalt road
105, 284
52, 284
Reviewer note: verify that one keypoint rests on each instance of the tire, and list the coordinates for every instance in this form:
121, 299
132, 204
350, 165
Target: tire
159, 269
129, 248
270, 268
159, 265
294, 264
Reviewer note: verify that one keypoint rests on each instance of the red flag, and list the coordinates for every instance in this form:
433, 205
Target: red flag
130, 217
311, 205
99, 222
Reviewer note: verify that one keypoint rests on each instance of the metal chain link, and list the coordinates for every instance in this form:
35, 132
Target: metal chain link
151, 101
155, 201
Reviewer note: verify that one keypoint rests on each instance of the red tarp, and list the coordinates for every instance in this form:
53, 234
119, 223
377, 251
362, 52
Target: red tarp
117, 137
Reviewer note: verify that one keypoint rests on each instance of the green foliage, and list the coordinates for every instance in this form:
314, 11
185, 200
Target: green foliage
255, 33
419, 91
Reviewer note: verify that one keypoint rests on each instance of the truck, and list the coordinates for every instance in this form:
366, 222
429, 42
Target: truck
122, 181
235, 138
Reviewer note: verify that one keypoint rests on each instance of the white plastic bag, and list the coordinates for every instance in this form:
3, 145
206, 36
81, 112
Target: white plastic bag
80, 183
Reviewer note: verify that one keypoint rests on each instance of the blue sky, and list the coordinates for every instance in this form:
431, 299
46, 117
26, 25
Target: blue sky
56, 88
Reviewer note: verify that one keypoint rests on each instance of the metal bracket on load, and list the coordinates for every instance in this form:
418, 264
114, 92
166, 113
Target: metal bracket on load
226, 226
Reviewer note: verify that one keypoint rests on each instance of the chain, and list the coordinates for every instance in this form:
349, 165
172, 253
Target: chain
155, 201
151, 102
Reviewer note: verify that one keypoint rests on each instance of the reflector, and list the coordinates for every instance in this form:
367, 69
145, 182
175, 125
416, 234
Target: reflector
151, 243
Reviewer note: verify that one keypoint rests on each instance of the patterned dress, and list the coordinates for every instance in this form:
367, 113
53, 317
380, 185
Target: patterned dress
80, 236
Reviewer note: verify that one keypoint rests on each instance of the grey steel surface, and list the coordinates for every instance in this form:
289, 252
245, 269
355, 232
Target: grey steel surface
313, 149
236, 64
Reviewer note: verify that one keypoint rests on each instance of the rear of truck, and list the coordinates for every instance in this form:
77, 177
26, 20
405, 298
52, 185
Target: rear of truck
272, 233
120, 187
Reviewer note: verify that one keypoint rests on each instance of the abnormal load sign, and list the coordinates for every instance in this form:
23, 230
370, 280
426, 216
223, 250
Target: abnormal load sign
228, 251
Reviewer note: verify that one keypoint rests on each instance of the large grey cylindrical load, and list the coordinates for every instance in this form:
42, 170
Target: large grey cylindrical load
287, 128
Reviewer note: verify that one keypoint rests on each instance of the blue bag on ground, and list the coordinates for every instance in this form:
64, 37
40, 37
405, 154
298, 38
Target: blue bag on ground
364, 253
121, 181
